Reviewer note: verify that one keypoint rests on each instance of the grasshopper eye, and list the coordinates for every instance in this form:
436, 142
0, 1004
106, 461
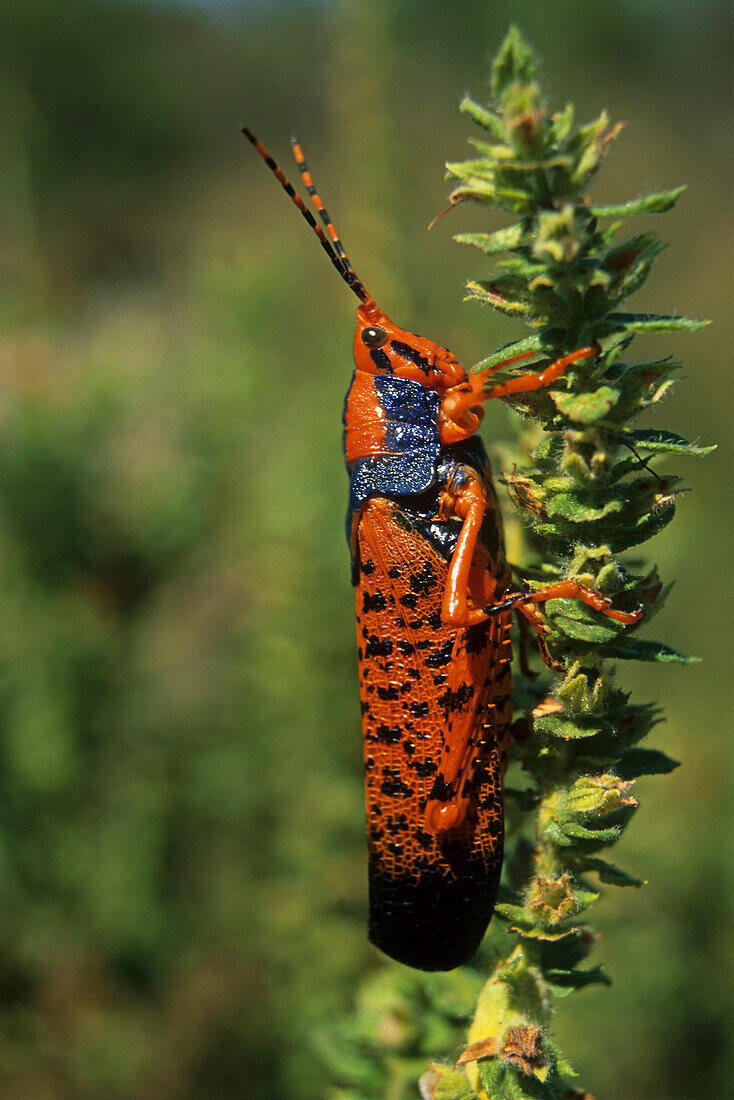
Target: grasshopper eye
374, 336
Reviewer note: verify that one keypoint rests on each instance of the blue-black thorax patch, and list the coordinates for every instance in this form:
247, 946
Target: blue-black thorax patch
411, 445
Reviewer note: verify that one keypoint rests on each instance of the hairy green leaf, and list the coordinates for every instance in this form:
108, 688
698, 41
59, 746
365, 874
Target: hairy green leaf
569, 980
485, 118
585, 407
657, 203
499, 241
513, 64
639, 649
659, 441
578, 727
606, 871
636, 762
655, 322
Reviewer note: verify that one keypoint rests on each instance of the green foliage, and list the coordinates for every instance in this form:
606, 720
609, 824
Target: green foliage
587, 497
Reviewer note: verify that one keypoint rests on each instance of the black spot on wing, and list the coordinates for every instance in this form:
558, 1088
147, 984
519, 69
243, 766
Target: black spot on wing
441, 656
425, 580
390, 692
456, 700
441, 790
392, 784
423, 768
377, 647
424, 839
373, 601
419, 709
389, 735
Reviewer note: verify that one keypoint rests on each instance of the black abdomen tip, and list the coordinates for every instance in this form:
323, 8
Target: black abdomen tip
431, 922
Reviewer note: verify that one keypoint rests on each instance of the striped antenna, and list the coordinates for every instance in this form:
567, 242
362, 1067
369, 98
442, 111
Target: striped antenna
339, 258
352, 279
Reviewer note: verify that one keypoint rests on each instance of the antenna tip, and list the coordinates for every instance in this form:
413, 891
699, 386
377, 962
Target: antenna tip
248, 133
294, 139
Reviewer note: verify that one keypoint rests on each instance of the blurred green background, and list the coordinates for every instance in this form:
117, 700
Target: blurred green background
181, 836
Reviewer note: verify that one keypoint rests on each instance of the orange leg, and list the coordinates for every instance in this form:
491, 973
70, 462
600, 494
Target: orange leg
466, 500
528, 613
470, 504
527, 382
566, 590
482, 376
526, 603
461, 406
461, 400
